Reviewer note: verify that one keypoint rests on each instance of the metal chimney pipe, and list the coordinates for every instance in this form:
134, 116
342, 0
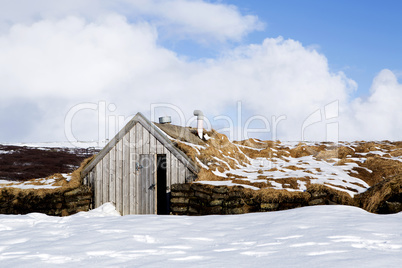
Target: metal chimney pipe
165, 120
200, 122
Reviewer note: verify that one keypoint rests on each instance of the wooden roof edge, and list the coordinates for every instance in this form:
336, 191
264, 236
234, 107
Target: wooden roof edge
110, 145
154, 130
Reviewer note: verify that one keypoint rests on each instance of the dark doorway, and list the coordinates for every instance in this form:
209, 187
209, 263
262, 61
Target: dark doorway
162, 197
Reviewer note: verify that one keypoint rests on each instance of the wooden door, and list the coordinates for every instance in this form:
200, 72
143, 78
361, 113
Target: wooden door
147, 180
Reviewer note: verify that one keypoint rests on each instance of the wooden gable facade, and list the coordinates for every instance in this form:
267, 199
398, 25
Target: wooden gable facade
136, 169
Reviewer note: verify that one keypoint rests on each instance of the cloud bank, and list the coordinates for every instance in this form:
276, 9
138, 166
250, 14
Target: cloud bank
57, 57
195, 19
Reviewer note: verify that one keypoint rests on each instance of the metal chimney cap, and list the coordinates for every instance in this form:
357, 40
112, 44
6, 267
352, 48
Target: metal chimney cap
199, 114
165, 120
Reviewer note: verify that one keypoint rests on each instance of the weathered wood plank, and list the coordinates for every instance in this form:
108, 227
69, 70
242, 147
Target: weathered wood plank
182, 172
133, 159
152, 203
146, 180
143, 184
92, 186
90, 178
152, 151
138, 185
152, 144
105, 178
112, 177
126, 174
138, 133
98, 185
145, 141
174, 169
159, 147
168, 169
119, 176
95, 188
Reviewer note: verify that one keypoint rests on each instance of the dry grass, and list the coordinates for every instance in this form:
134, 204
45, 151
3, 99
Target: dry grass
397, 152
256, 143
365, 147
231, 175
222, 155
269, 195
382, 168
255, 184
267, 152
292, 183
219, 153
207, 175
282, 153
372, 199
188, 150
343, 161
293, 168
340, 152
342, 187
300, 151
398, 144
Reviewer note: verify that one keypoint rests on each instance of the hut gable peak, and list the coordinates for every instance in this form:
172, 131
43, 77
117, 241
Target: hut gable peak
161, 132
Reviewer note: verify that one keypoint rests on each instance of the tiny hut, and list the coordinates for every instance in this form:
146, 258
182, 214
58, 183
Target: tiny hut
137, 167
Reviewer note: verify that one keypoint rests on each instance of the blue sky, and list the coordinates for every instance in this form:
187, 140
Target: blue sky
311, 70
358, 37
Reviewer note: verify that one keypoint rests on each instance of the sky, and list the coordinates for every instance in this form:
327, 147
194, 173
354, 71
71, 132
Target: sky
287, 70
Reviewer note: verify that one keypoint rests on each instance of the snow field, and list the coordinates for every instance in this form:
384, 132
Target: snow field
321, 236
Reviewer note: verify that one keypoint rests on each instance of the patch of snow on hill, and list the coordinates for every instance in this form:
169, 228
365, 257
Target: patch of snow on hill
41, 183
62, 144
320, 172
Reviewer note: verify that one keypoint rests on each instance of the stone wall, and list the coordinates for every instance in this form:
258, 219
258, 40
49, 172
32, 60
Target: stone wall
54, 203
201, 199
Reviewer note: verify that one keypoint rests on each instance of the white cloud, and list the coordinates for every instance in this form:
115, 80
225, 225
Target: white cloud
54, 64
75, 60
198, 19
379, 116
72, 57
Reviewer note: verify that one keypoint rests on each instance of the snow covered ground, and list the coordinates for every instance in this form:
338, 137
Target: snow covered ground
41, 183
321, 236
61, 144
